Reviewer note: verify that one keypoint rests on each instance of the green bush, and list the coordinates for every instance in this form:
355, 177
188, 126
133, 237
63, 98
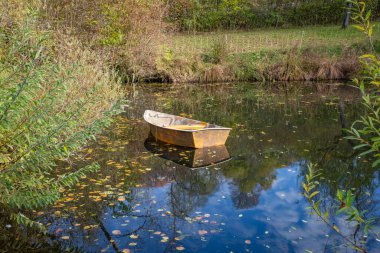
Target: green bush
53, 99
217, 53
204, 15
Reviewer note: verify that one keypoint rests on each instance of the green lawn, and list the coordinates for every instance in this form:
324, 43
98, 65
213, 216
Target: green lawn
267, 39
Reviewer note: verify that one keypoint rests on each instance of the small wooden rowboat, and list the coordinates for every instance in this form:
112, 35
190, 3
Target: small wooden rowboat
185, 132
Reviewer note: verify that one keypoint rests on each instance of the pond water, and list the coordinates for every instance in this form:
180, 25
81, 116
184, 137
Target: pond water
148, 197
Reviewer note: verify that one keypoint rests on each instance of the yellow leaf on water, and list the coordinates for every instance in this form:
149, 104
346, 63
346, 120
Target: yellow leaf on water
180, 248
65, 237
121, 199
336, 228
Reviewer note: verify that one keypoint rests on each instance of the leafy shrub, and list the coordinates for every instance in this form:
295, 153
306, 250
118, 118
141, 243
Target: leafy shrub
217, 54
53, 99
365, 131
235, 14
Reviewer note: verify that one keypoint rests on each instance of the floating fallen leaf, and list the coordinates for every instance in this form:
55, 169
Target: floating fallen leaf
121, 199
132, 244
59, 230
65, 237
179, 238
134, 236
247, 241
116, 232
180, 248
202, 232
126, 251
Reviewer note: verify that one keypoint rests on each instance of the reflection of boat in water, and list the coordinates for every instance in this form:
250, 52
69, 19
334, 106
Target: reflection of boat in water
185, 132
189, 157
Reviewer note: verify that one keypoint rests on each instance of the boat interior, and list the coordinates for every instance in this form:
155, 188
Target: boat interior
175, 122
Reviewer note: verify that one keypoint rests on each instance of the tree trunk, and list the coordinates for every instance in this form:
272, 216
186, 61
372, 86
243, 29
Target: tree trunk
346, 20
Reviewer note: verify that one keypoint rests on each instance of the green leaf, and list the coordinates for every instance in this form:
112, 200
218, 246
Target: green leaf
359, 27
376, 163
368, 15
367, 152
360, 146
314, 194
326, 215
336, 228
341, 210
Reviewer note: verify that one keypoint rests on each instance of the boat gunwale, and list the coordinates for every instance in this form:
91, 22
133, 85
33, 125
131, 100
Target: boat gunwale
182, 130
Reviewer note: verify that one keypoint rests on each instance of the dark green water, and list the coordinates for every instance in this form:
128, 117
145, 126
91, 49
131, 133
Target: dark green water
147, 198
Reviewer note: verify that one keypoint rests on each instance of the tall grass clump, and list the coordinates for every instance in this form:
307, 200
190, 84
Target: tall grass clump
54, 96
127, 33
217, 53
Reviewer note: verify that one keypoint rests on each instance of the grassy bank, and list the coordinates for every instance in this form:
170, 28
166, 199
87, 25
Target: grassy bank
268, 39
307, 53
